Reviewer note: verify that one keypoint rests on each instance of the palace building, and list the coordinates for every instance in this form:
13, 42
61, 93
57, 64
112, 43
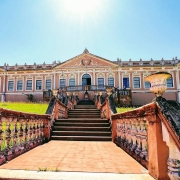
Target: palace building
88, 72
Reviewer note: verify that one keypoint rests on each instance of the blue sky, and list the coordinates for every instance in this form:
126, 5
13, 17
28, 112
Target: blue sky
47, 30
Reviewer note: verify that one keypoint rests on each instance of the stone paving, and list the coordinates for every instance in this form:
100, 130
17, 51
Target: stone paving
77, 156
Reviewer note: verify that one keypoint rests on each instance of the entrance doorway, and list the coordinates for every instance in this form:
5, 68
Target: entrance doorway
86, 79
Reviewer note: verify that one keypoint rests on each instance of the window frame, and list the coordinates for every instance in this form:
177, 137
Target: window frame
18, 84
60, 82
47, 83
28, 80
9, 85
72, 80
172, 82
108, 80
145, 82
135, 81
37, 87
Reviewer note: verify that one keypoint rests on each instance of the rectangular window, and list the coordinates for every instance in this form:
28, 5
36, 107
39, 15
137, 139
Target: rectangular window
38, 84
72, 82
10, 85
125, 82
169, 82
29, 85
111, 82
48, 84
19, 85
136, 82
101, 83
147, 84
62, 83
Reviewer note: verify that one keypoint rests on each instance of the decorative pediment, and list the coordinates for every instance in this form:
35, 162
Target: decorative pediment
86, 60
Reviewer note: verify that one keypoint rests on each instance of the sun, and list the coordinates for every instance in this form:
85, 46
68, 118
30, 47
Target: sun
81, 7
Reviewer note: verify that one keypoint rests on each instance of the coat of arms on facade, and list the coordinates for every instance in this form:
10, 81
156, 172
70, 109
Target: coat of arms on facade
86, 62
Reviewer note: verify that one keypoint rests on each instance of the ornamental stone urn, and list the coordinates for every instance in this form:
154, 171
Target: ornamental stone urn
158, 82
55, 91
109, 90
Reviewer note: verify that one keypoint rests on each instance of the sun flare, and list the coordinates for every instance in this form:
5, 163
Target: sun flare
81, 7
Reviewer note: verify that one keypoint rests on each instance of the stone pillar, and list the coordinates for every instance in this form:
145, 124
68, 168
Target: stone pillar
15, 83
157, 149
178, 86
174, 155
131, 81
94, 77
54, 80
119, 78
4, 88
78, 79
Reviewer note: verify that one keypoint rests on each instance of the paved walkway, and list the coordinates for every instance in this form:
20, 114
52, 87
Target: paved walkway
77, 156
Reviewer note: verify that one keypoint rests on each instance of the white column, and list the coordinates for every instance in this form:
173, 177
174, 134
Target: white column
54, 80
4, 88
78, 78
178, 85
119, 79
67, 79
94, 82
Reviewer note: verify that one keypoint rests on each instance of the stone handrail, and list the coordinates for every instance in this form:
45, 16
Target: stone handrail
70, 104
146, 135
61, 110
107, 108
20, 132
129, 131
169, 113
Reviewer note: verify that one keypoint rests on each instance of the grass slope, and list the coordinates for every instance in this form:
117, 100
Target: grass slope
120, 110
38, 108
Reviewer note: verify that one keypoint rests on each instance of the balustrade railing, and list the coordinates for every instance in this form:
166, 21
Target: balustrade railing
151, 138
105, 105
20, 132
84, 88
130, 132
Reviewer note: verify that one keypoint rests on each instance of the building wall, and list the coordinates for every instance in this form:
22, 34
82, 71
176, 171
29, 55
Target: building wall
96, 67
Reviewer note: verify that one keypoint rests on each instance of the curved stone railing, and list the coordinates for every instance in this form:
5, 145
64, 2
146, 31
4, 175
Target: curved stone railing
146, 134
20, 132
106, 106
169, 113
61, 110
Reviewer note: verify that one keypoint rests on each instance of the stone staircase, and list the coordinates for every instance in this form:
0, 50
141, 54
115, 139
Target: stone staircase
83, 124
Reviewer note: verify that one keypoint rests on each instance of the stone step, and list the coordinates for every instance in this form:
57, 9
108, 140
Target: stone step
83, 120
81, 133
80, 124
82, 113
80, 128
83, 124
85, 107
83, 110
85, 102
82, 138
83, 116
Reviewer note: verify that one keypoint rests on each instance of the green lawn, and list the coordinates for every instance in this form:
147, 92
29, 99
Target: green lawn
38, 108
120, 110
